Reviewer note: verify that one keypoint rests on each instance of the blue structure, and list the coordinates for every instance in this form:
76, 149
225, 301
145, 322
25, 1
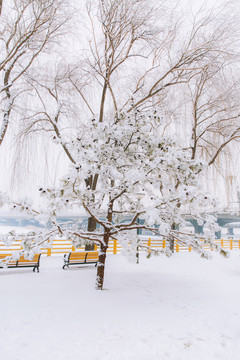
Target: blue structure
224, 220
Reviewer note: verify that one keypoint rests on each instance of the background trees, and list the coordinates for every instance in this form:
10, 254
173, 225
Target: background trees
27, 29
129, 60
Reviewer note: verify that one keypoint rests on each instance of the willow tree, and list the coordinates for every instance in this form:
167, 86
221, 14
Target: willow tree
128, 60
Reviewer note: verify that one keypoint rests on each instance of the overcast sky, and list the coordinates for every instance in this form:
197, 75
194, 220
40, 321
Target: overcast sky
196, 4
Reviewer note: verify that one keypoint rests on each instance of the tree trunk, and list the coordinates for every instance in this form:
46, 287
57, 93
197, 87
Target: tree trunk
101, 262
171, 238
0, 7
171, 244
8, 110
91, 227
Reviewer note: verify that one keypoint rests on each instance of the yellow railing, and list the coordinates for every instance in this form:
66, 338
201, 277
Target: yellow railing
61, 246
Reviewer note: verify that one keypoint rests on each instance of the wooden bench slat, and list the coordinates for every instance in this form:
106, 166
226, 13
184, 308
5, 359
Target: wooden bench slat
92, 254
80, 258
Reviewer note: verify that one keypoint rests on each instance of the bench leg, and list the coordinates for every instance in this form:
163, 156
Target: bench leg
36, 267
64, 266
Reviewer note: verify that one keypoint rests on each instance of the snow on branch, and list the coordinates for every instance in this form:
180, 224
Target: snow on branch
140, 175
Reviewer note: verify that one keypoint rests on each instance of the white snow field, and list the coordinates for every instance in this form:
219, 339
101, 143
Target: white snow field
177, 308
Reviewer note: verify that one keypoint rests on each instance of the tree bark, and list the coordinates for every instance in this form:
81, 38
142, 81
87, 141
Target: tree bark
1, 6
171, 244
101, 262
171, 238
103, 250
91, 227
4, 127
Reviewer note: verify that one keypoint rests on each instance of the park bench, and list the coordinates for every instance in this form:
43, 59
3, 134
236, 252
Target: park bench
22, 262
80, 258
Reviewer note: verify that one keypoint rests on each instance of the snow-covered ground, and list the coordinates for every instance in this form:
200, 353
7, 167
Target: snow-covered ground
179, 308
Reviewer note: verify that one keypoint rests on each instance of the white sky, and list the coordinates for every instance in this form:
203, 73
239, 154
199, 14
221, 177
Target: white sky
196, 4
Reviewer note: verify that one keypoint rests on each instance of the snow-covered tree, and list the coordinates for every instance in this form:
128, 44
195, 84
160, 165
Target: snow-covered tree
141, 174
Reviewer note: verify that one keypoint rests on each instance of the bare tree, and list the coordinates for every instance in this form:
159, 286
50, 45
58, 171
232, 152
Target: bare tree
215, 114
27, 27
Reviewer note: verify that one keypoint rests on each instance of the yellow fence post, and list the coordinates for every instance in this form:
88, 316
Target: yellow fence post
49, 251
189, 249
149, 244
231, 244
114, 247
177, 247
95, 246
164, 244
73, 248
222, 243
